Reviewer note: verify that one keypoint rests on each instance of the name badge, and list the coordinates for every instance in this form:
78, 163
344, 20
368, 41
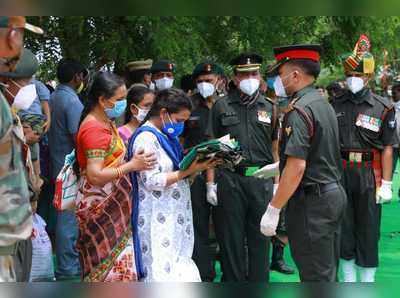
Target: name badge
368, 122
264, 116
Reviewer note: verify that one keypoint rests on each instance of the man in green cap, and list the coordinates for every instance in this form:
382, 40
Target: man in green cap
22, 92
251, 119
367, 134
205, 76
15, 213
162, 74
310, 167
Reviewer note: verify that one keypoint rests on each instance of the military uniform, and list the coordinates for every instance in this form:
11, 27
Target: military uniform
16, 210
194, 134
367, 124
242, 199
314, 212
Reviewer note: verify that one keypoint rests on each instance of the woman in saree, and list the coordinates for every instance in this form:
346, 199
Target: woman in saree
103, 207
162, 216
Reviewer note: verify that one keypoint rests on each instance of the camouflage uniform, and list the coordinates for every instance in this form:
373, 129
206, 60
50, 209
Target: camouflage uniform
15, 210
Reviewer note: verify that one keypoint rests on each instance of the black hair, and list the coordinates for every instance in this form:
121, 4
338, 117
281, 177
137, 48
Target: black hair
136, 76
173, 100
310, 67
104, 84
67, 69
135, 96
187, 83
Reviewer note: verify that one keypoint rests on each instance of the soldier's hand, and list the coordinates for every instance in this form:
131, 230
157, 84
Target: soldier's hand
384, 193
269, 221
212, 193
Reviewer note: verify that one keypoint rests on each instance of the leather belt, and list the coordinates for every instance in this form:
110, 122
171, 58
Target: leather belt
357, 156
320, 188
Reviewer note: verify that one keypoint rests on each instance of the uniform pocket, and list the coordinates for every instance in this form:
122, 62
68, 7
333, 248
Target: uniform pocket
229, 120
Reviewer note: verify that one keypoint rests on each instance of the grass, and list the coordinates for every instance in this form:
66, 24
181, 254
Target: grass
389, 245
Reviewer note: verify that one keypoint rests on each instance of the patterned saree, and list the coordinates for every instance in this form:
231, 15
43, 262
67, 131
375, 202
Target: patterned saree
105, 241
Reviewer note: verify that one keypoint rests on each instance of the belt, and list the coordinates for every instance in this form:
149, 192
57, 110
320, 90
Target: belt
320, 188
246, 171
9, 250
357, 156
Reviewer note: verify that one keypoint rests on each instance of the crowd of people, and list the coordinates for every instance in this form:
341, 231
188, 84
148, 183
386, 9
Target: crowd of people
113, 145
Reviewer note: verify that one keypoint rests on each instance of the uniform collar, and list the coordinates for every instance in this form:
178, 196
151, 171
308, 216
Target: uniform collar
304, 91
362, 96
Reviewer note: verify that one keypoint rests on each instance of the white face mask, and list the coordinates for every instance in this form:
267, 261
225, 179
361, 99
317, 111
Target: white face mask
142, 113
249, 86
279, 88
355, 84
25, 97
164, 83
206, 89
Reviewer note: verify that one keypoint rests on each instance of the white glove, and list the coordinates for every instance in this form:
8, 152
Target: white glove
384, 193
269, 221
268, 171
212, 193
275, 189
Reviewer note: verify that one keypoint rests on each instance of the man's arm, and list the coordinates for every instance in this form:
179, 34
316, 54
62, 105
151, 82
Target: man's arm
290, 180
387, 163
46, 110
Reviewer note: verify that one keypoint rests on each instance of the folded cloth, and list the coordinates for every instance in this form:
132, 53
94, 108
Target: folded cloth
224, 149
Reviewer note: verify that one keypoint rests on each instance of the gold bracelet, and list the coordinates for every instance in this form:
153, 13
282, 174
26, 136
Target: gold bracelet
177, 176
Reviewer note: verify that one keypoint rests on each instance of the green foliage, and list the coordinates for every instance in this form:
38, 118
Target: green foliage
112, 41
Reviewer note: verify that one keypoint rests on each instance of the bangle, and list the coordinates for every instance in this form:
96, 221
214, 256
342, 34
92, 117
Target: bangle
177, 176
119, 171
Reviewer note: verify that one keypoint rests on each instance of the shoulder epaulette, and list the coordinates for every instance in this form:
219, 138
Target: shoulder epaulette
383, 100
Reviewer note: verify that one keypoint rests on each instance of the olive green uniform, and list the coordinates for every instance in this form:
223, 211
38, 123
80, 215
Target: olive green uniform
193, 135
367, 124
314, 212
242, 199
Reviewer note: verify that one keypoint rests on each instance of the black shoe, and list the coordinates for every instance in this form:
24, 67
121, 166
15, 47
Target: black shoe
281, 267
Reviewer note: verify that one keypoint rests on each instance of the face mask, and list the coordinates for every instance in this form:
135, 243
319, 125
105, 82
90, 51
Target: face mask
206, 89
164, 83
173, 129
25, 96
249, 86
117, 110
142, 113
80, 88
355, 84
270, 82
152, 86
279, 88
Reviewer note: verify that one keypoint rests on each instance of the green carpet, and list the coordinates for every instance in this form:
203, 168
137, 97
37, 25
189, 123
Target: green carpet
389, 252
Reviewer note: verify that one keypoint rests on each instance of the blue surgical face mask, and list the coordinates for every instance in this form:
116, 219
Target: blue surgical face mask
173, 129
270, 82
117, 110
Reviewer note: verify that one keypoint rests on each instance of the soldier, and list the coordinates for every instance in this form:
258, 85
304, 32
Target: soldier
367, 132
251, 119
162, 74
138, 72
15, 215
203, 189
310, 167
